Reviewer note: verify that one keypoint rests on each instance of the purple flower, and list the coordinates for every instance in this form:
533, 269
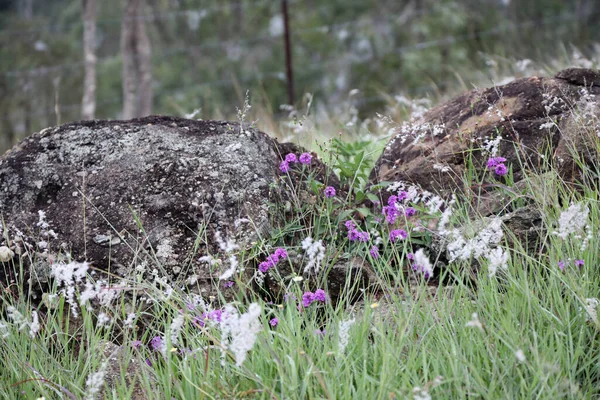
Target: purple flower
579, 263
156, 343
284, 167
410, 256
409, 211
561, 265
307, 299
374, 252
216, 315
263, 267
495, 161
501, 170
320, 295
392, 201
291, 158
305, 158
491, 163
136, 344
200, 320
363, 236
273, 322
148, 362
398, 233
273, 259
403, 195
228, 284
350, 225
329, 191
281, 253
391, 213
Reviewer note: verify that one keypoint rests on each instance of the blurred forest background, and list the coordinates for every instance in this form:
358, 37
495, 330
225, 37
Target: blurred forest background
356, 57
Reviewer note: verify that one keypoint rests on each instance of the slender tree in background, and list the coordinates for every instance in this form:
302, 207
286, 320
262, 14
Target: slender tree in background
137, 63
88, 104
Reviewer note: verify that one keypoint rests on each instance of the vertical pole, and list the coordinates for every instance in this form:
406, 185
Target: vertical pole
288, 52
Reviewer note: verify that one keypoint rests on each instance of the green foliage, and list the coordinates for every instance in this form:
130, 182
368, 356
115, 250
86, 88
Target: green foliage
206, 54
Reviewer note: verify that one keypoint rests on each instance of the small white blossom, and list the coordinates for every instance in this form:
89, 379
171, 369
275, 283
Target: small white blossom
128, 323
176, 327
226, 246
591, 306
6, 254
520, 355
343, 334
421, 394
498, 258
422, 263
228, 273
94, 382
474, 322
103, 319
34, 326
4, 333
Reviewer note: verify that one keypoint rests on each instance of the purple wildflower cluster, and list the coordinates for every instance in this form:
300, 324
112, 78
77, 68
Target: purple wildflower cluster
273, 322
374, 252
354, 234
272, 260
562, 265
214, 315
329, 191
497, 164
398, 233
308, 297
291, 158
393, 210
156, 343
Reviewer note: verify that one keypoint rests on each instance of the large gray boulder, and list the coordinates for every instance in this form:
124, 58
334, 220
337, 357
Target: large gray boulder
540, 121
150, 193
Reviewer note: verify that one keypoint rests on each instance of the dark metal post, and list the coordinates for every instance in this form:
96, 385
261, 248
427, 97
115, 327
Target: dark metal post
288, 52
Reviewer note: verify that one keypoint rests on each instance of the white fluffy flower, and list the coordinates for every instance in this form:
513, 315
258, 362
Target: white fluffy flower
6, 254
343, 334
591, 306
94, 382
572, 220
228, 273
4, 333
176, 327
520, 355
315, 252
34, 326
423, 264
474, 322
478, 246
239, 331
498, 258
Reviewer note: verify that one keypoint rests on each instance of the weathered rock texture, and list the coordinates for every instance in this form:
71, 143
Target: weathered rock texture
183, 180
536, 117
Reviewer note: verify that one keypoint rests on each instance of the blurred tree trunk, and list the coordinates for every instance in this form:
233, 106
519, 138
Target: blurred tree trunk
137, 63
26, 7
88, 104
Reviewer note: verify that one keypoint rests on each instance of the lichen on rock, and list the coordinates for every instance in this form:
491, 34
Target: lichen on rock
155, 190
